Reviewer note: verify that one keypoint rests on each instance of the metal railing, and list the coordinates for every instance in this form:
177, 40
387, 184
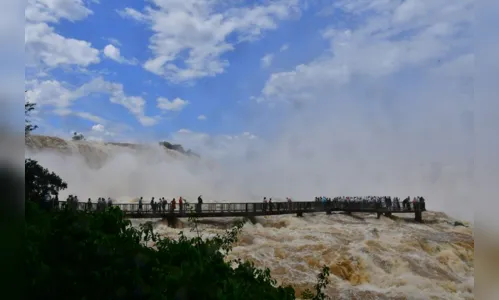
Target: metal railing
247, 208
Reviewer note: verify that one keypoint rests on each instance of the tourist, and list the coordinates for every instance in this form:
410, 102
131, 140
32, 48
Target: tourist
422, 204
140, 204
173, 205
163, 204
405, 203
200, 204
153, 205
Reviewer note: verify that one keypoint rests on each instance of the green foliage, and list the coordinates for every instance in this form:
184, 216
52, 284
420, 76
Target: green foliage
322, 282
78, 137
81, 255
28, 127
171, 146
177, 147
39, 181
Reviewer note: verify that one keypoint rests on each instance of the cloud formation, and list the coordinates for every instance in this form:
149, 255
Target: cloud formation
203, 31
114, 53
386, 109
45, 47
176, 104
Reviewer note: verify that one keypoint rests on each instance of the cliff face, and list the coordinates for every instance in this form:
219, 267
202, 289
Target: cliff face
94, 153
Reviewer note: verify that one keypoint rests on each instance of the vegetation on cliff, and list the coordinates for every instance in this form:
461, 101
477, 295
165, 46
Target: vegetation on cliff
177, 147
100, 255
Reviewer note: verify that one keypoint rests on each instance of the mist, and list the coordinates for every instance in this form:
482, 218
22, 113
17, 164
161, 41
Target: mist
386, 110
370, 137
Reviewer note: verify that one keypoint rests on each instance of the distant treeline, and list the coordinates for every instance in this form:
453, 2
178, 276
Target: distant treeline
179, 148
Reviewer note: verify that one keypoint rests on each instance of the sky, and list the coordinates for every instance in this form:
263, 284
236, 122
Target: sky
166, 69
372, 93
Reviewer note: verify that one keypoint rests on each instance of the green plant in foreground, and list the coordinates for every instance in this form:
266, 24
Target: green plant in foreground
99, 255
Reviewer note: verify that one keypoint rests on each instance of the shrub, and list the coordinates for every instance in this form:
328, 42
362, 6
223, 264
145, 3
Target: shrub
80, 255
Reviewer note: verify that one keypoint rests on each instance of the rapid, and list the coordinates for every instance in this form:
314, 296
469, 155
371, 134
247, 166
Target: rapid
369, 258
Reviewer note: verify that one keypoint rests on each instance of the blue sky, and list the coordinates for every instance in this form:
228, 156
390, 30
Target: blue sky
164, 69
362, 96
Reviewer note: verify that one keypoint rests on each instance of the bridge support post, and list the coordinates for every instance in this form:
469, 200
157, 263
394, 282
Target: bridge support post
388, 214
172, 221
250, 218
378, 215
299, 214
328, 212
418, 216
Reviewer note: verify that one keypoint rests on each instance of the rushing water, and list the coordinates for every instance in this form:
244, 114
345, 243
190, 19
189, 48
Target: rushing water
369, 258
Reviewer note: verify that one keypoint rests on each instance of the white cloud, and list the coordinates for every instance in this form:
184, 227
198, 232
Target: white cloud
183, 130
44, 46
59, 95
190, 37
202, 117
90, 117
52, 11
284, 48
98, 133
148, 121
134, 104
133, 14
98, 128
64, 112
266, 60
49, 92
114, 53
394, 36
176, 104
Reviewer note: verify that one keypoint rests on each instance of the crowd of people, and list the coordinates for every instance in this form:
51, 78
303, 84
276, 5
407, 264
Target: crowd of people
375, 202
162, 205
156, 205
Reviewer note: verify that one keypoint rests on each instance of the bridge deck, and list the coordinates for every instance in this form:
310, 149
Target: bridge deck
211, 210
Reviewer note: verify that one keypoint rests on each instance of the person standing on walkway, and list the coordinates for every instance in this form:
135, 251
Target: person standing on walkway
173, 205
163, 204
153, 205
89, 204
141, 201
200, 204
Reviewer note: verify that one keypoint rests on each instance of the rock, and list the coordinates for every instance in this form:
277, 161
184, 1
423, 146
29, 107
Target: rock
457, 223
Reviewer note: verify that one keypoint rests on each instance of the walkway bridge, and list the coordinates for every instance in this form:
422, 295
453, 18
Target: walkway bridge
251, 210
